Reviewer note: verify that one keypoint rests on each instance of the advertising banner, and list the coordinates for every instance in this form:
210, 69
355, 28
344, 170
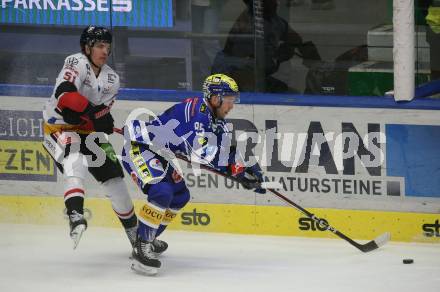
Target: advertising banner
322, 157
242, 219
22, 156
364, 171
129, 13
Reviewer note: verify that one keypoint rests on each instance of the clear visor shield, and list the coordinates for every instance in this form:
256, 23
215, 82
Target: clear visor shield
231, 98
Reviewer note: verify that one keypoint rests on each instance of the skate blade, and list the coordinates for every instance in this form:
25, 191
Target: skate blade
142, 269
154, 255
76, 234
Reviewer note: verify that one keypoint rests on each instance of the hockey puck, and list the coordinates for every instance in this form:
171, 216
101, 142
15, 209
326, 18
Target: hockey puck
408, 261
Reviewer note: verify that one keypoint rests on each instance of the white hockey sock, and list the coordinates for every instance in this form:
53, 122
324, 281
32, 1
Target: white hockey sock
117, 192
73, 187
73, 194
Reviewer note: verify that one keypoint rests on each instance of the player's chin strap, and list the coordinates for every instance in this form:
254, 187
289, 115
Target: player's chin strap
214, 108
93, 64
90, 58
90, 44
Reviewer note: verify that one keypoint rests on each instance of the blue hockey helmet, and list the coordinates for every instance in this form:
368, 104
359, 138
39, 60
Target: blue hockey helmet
220, 85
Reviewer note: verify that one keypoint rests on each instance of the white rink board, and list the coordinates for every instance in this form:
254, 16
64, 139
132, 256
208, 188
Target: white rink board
294, 119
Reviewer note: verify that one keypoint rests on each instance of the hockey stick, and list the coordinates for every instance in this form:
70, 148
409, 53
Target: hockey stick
369, 246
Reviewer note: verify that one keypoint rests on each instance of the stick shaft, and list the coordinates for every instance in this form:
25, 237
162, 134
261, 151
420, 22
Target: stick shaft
371, 245
364, 248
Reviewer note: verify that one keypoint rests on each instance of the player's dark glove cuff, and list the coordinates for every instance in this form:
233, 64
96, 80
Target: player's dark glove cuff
104, 124
257, 177
101, 118
248, 184
71, 117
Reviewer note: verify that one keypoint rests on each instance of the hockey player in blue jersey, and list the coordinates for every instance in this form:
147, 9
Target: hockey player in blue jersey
196, 129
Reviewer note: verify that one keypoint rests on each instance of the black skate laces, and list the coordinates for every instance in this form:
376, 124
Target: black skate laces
75, 216
158, 243
87, 214
146, 248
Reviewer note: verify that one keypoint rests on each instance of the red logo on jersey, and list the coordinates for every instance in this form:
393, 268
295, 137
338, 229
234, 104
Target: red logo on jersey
102, 112
236, 169
176, 177
194, 106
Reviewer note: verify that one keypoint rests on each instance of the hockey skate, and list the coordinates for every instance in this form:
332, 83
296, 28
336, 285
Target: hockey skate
143, 259
131, 234
158, 247
78, 225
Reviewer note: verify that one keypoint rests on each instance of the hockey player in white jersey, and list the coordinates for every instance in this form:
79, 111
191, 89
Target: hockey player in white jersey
78, 109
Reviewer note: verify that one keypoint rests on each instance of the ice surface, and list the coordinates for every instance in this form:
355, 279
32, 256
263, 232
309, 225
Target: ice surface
40, 258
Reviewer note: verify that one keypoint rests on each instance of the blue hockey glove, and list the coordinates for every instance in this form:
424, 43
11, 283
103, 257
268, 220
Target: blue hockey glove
257, 176
250, 178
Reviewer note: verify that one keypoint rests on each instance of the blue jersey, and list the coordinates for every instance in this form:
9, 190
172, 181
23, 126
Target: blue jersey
188, 128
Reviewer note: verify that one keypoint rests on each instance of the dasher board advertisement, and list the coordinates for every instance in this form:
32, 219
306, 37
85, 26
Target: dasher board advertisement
22, 156
390, 161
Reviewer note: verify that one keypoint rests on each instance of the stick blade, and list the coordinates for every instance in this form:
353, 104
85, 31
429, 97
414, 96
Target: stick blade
375, 244
271, 185
143, 269
383, 239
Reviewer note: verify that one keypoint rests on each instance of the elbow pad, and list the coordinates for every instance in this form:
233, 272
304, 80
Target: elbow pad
69, 97
71, 104
73, 101
65, 86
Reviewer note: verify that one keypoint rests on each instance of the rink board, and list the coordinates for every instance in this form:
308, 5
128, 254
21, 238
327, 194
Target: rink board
401, 195
241, 219
311, 171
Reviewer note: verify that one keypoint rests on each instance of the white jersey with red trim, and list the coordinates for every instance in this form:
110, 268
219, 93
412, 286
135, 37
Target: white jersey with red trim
98, 90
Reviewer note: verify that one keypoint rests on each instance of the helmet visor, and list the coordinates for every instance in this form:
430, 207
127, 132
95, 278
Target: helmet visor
231, 97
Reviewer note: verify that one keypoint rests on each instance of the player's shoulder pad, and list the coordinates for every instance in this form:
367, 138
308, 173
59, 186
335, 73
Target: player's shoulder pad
200, 106
195, 107
112, 76
203, 108
75, 62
